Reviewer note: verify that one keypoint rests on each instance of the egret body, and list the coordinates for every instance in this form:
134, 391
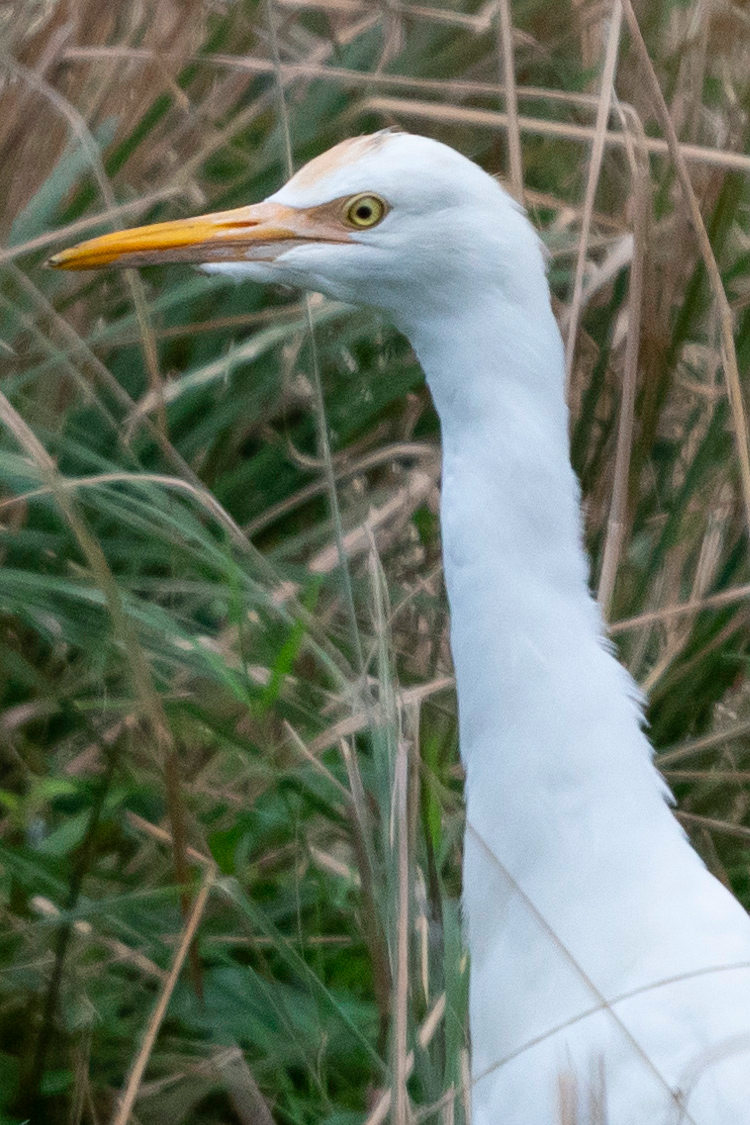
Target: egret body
610, 972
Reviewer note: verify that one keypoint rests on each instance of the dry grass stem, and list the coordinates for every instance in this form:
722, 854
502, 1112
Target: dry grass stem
354, 724
684, 609
508, 82
693, 820
401, 1110
128, 1097
381, 1110
390, 517
614, 539
541, 127
698, 745
248, 1102
592, 180
390, 454
156, 832
317, 765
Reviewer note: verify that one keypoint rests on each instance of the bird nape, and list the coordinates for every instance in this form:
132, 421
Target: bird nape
610, 971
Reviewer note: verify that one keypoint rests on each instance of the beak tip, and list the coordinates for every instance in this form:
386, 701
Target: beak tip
70, 259
58, 261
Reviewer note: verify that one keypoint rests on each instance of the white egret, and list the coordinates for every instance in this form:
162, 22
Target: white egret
610, 972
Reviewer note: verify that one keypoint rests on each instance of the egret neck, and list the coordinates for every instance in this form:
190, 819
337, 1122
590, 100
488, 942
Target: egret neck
562, 797
527, 637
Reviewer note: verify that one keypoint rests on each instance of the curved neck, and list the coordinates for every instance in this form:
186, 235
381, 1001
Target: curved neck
543, 704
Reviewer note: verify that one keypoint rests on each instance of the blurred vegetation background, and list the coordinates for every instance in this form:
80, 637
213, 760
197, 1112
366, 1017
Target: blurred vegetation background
230, 835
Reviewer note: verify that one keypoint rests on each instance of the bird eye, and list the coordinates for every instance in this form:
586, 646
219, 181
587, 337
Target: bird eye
364, 211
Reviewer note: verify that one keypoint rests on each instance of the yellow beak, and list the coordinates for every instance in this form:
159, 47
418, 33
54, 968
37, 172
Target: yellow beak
257, 233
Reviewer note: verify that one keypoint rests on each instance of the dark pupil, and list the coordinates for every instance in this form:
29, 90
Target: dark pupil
364, 211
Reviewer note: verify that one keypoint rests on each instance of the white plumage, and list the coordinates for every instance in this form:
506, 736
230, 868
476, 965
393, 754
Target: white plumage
610, 972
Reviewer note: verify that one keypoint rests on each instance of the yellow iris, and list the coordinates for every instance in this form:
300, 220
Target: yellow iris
364, 211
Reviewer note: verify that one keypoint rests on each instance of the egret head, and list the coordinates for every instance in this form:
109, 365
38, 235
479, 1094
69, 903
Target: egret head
387, 220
